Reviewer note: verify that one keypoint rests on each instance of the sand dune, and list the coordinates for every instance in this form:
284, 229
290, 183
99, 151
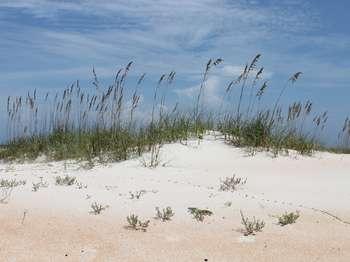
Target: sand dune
55, 223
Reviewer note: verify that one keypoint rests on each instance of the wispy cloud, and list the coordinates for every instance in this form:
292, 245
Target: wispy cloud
65, 38
212, 95
183, 33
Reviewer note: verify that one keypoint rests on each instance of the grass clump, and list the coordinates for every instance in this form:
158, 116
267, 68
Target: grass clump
251, 226
7, 186
137, 194
164, 215
11, 183
231, 183
153, 160
288, 218
259, 134
136, 224
65, 181
80, 185
97, 208
199, 214
99, 123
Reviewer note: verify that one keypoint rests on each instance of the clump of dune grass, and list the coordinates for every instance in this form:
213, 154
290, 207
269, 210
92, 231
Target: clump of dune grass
77, 124
269, 129
228, 204
136, 224
251, 226
199, 214
343, 138
153, 160
7, 186
11, 182
165, 215
137, 194
288, 218
232, 183
97, 208
80, 185
260, 134
65, 181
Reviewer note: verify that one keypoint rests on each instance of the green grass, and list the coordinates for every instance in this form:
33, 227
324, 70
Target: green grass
111, 144
101, 123
251, 226
259, 134
199, 214
288, 218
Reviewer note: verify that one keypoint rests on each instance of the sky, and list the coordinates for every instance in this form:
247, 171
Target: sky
47, 44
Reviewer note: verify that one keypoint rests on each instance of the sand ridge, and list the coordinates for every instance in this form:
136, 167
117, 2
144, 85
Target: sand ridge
58, 225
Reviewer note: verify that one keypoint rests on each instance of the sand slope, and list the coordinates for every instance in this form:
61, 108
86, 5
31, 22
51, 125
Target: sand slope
54, 223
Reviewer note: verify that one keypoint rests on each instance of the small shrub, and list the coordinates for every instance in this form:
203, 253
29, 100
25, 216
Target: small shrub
11, 183
136, 224
133, 221
228, 204
6, 187
80, 185
165, 215
288, 218
137, 194
231, 183
153, 160
65, 181
250, 227
97, 208
199, 214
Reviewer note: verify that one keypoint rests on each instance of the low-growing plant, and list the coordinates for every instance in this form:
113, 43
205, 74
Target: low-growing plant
228, 203
65, 181
251, 226
136, 194
164, 215
136, 224
6, 187
97, 208
80, 185
11, 183
153, 160
40, 184
231, 183
199, 214
288, 218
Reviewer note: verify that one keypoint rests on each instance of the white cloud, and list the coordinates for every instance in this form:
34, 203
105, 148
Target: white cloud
232, 70
211, 93
160, 36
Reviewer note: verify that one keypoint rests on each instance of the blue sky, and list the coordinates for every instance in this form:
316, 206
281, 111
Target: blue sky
48, 44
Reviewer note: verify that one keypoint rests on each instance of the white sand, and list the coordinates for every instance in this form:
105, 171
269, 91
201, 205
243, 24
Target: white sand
57, 225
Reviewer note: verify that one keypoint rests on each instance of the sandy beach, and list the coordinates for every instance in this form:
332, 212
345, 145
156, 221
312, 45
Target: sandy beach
55, 223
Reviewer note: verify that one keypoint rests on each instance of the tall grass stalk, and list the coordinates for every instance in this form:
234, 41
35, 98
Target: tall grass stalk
102, 123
